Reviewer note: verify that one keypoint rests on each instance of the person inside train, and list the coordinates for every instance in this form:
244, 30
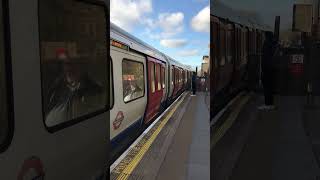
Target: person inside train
270, 48
131, 90
194, 83
73, 93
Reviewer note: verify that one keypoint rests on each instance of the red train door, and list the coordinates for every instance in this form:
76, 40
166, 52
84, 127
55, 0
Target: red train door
155, 90
176, 81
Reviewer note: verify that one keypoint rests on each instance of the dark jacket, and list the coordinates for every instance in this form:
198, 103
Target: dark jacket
86, 98
194, 81
269, 50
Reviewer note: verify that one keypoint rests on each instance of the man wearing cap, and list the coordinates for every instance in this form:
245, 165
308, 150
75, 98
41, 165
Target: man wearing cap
73, 94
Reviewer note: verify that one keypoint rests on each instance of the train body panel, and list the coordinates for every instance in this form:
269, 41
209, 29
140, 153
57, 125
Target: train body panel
131, 95
39, 147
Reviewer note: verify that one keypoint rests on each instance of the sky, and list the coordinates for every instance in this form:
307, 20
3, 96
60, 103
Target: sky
178, 28
268, 9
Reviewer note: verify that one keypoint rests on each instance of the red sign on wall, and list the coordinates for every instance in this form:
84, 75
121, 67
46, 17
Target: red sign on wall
296, 64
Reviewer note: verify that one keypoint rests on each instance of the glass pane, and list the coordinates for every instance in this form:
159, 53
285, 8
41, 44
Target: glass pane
158, 77
172, 75
73, 59
132, 80
152, 73
163, 78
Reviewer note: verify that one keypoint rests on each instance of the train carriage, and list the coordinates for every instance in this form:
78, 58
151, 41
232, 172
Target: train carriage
146, 82
236, 49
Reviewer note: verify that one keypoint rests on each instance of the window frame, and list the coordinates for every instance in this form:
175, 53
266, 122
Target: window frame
144, 83
9, 98
87, 116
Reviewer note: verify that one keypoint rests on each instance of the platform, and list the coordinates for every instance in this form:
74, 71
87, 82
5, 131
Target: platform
273, 145
175, 147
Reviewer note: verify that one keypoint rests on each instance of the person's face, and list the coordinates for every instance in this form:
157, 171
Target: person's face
72, 71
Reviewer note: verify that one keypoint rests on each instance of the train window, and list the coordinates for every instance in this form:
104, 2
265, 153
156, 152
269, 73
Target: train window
222, 47
73, 61
158, 68
172, 76
152, 73
216, 44
178, 80
163, 78
132, 80
229, 46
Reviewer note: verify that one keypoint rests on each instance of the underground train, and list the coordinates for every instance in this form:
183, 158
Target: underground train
53, 105
144, 83
236, 46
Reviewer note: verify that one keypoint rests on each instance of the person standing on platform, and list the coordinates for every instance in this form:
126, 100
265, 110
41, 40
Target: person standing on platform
269, 50
194, 84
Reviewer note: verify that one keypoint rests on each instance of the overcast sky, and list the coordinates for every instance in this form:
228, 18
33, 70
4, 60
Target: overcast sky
268, 9
178, 28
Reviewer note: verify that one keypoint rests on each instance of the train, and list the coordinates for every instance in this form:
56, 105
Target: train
144, 82
235, 51
53, 89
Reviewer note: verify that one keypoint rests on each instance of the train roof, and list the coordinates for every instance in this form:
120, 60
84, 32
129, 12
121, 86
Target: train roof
118, 34
173, 62
222, 11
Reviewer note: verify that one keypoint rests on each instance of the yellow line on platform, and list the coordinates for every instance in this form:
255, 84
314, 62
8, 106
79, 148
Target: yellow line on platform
135, 161
228, 123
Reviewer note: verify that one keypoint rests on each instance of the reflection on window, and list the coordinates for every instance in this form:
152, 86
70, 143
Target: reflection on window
152, 73
223, 47
163, 78
4, 126
132, 80
73, 59
158, 77
229, 46
173, 76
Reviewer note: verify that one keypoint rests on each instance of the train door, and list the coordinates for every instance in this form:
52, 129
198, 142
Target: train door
155, 90
171, 81
163, 83
177, 81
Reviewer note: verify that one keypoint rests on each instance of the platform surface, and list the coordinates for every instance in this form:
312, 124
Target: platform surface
271, 145
179, 151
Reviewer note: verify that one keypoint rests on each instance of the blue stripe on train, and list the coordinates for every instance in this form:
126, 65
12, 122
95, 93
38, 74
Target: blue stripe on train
134, 128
